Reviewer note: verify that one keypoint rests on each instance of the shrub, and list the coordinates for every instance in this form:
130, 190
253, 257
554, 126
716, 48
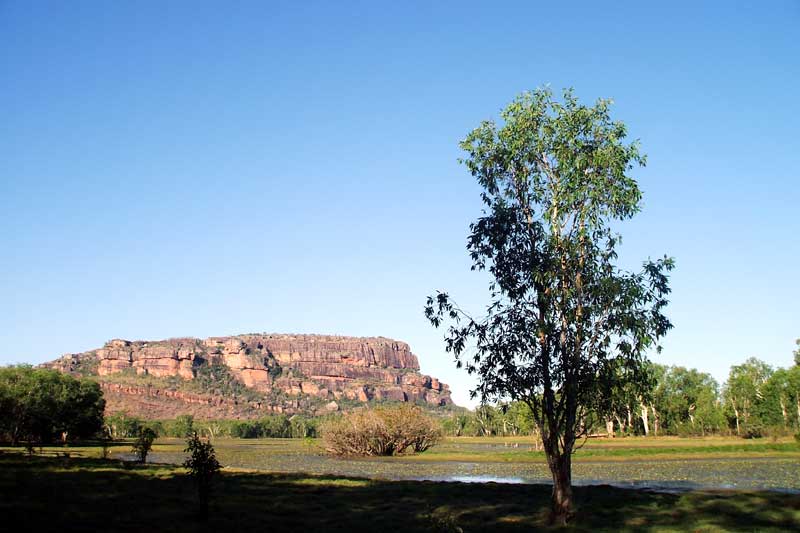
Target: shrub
105, 443
754, 431
797, 437
380, 431
144, 443
203, 468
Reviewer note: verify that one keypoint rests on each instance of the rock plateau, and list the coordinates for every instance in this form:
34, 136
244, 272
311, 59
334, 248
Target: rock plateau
281, 373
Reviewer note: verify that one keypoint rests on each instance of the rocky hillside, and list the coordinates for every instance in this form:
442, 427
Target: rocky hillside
247, 376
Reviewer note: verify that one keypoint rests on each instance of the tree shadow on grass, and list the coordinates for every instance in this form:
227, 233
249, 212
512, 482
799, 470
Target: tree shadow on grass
51, 494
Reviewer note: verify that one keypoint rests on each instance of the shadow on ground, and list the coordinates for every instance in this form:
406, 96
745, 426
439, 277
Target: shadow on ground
77, 494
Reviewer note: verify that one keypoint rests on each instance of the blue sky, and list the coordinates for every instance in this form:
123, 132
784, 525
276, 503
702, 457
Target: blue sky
199, 168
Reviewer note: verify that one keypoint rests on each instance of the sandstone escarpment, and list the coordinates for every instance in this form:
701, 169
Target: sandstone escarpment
295, 371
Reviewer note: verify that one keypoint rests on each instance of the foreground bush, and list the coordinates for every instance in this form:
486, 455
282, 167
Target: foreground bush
203, 468
381, 431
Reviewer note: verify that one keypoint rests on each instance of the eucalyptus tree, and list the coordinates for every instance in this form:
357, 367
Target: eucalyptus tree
690, 401
781, 396
562, 316
745, 389
776, 408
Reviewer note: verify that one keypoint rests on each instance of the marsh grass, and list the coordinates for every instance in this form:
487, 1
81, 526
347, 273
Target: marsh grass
91, 494
642, 463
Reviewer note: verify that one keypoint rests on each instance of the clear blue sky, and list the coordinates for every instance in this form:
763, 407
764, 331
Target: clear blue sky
198, 168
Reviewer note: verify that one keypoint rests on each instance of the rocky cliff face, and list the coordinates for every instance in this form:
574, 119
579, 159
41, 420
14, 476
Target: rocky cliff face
301, 370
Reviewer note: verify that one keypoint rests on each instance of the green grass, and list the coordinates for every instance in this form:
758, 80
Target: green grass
656, 463
89, 494
502, 449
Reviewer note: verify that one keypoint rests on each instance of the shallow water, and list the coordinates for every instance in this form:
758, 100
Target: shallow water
771, 473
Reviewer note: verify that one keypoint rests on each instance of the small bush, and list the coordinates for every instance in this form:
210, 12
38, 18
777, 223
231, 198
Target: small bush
203, 468
797, 437
143, 444
380, 431
754, 431
105, 444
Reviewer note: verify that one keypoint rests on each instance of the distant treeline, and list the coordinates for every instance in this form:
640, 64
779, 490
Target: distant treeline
756, 400
120, 425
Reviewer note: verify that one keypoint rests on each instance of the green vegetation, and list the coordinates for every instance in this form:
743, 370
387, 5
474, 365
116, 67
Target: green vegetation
144, 443
564, 327
663, 461
672, 401
86, 365
40, 405
216, 378
97, 495
203, 469
184, 426
212, 377
122, 425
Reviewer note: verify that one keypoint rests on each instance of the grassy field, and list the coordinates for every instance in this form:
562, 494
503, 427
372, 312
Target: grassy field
662, 464
50, 493
289, 484
524, 450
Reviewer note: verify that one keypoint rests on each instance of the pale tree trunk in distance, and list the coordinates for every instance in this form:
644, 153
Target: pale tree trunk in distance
783, 411
644, 419
735, 414
610, 427
798, 409
630, 417
655, 420
745, 408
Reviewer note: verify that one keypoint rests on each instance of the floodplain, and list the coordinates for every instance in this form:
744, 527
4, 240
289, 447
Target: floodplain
464, 484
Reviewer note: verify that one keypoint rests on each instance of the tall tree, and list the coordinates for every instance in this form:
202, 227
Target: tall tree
775, 408
744, 389
689, 401
562, 316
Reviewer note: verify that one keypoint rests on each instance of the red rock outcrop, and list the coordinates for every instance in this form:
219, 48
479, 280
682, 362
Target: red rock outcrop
322, 367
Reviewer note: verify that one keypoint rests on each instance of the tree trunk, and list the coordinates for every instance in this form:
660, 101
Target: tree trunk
783, 411
736, 414
630, 417
610, 427
644, 420
621, 424
798, 409
655, 420
561, 469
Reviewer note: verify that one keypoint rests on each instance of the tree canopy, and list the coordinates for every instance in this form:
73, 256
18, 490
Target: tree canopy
40, 405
